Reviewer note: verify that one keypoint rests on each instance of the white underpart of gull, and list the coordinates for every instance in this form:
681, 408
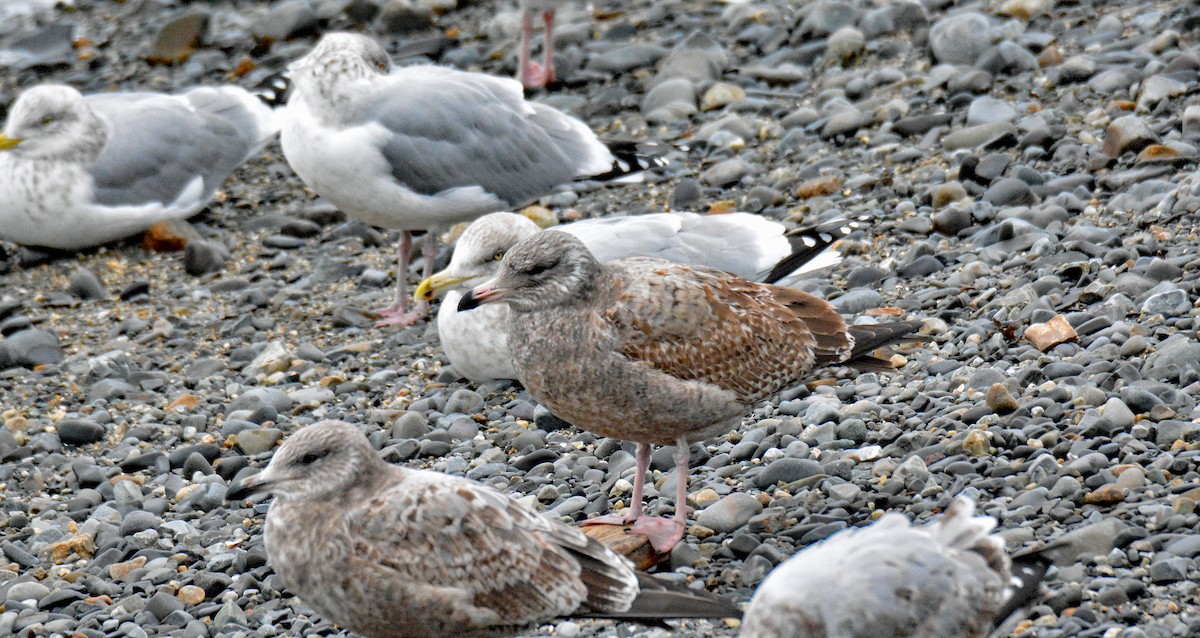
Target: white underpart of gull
420, 148
948, 579
660, 353
78, 171
392, 552
743, 244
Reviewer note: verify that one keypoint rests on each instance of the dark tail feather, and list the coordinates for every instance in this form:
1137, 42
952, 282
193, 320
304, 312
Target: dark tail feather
1028, 571
870, 337
809, 243
660, 601
273, 89
630, 159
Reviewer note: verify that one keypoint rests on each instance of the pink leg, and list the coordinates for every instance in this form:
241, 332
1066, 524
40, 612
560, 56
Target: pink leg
664, 533
523, 69
398, 313
639, 486
548, 48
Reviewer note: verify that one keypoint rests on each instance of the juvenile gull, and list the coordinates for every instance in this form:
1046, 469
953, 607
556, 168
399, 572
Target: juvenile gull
655, 352
79, 171
746, 245
947, 579
423, 147
391, 552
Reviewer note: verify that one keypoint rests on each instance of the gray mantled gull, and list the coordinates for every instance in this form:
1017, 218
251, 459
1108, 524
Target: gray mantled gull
78, 171
392, 552
946, 579
743, 244
654, 352
424, 147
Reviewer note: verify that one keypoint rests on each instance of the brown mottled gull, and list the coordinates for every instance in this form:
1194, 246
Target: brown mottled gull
423, 147
654, 352
742, 244
391, 552
947, 579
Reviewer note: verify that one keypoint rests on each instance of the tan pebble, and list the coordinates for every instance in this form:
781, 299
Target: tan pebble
120, 571
1044, 336
700, 531
1106, 495
706, 497
1000, 400
191, 595
721, 94
976, 443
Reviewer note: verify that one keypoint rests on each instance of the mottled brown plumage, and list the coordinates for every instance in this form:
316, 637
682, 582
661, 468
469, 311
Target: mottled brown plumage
654, 352
391, 552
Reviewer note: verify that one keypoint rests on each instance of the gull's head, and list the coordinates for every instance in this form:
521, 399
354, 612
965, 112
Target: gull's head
549, 269
52, 121
342, 56
478, 253
320, 462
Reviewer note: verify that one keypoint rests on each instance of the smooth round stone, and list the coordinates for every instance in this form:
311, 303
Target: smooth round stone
30, 348
79, 431
86, 285
729, 513
1010, 191
986, 109
960, 39
27, 591
786, 470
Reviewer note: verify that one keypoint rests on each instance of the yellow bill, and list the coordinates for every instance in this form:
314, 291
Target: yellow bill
7, 142
433, 286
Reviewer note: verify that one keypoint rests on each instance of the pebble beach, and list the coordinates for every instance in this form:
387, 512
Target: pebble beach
1023, 176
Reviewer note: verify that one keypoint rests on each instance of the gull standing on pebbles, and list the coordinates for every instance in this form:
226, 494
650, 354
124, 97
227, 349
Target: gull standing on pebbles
392, 552
531, 74
78, 171
947, 579
654, 352
420, 148
743, 244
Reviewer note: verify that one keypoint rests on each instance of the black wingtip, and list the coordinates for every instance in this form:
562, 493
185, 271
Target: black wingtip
273, 89
1028, 572
631, 158
808, 243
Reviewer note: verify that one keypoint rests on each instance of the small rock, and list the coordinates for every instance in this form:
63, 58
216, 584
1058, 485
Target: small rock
721, 94
86, 285
961, 38
30, 348
999, 399
202, 257
79, 431
729, 513
191, 595
178, 39
258, 440
1106, 495
1046, 335
726, 173
1127, 133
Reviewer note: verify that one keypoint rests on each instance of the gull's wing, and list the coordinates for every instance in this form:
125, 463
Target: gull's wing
447, 129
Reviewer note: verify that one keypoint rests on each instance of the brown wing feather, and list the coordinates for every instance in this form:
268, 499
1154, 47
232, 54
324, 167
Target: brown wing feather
705, 325
463, 536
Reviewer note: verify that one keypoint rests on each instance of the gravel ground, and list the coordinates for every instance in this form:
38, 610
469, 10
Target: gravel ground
1026, 167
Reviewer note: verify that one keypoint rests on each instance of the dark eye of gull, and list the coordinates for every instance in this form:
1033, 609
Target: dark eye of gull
313, 457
